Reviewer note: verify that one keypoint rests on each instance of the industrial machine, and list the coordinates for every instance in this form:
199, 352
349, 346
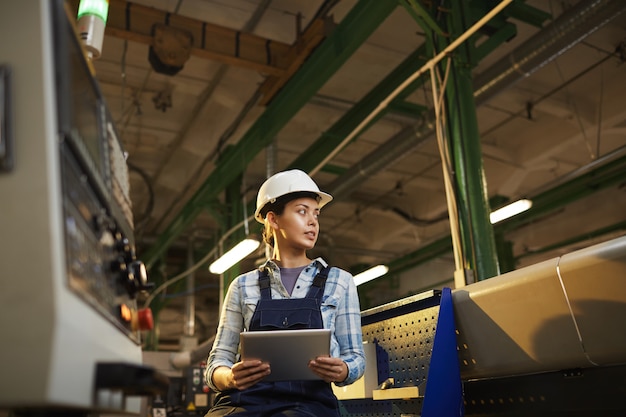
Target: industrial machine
545, 340
68, 310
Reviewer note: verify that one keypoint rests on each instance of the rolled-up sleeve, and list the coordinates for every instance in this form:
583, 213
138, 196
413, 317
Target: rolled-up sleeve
348, 328
226, 344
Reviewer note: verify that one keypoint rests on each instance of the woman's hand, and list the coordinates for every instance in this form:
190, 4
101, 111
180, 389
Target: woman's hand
247, 373
329, 369
241, 376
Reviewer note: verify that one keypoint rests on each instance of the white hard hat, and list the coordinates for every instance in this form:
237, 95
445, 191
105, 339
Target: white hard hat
287, 182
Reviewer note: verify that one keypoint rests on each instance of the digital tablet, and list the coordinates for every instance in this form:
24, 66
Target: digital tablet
287, 351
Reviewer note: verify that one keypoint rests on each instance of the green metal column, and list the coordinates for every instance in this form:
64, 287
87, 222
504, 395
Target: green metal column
234, 215
477, 237
506, 256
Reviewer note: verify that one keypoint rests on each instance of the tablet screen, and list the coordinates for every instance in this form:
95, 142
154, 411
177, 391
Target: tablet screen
287, 351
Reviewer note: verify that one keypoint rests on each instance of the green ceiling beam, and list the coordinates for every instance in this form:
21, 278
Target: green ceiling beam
521, 11
432, 250
422, 16
595, 179
407, 108
334, 169
546, 202
332, 137
503, 34
517, 10
346, 38
617, 227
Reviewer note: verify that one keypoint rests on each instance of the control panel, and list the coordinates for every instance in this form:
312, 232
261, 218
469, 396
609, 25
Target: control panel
101, 263
70, 276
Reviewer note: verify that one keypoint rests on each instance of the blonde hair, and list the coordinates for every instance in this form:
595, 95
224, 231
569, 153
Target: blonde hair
268, 233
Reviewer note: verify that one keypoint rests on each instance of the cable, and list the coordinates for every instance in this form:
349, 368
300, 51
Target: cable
150, 206
444, 153
197, 265
178, 277
426, 67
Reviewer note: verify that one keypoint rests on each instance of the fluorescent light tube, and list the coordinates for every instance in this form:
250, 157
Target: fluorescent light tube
370, 274
236, 254
510, 210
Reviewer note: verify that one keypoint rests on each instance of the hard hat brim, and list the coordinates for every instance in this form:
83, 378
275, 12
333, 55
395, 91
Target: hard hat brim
324, 198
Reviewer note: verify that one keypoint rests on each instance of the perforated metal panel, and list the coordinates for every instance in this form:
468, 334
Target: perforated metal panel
403, 332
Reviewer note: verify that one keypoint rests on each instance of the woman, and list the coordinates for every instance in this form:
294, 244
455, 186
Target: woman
288, 204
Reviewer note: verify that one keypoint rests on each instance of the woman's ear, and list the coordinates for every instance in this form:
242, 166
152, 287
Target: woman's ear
272, 219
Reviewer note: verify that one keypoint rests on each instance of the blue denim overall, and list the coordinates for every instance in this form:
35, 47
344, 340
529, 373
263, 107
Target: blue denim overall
283, 398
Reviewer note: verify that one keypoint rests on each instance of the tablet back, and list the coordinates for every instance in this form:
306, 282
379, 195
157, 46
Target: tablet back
287, 351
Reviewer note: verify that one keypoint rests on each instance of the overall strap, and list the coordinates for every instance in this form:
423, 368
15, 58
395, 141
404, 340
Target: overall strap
264, 284
319, 282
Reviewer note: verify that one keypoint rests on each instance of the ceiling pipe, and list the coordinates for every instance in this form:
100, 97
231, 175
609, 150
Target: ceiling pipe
383, 156
567, 30
341, 105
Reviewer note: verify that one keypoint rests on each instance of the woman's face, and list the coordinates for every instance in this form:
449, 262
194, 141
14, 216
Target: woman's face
298, 226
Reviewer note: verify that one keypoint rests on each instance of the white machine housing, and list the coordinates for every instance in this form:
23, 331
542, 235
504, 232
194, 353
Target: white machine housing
563, 313
54, 336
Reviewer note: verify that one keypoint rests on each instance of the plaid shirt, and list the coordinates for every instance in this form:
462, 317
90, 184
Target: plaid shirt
340, 313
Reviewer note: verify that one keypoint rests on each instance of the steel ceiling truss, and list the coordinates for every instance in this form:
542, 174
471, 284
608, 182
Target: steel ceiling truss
353, 30
331, 54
